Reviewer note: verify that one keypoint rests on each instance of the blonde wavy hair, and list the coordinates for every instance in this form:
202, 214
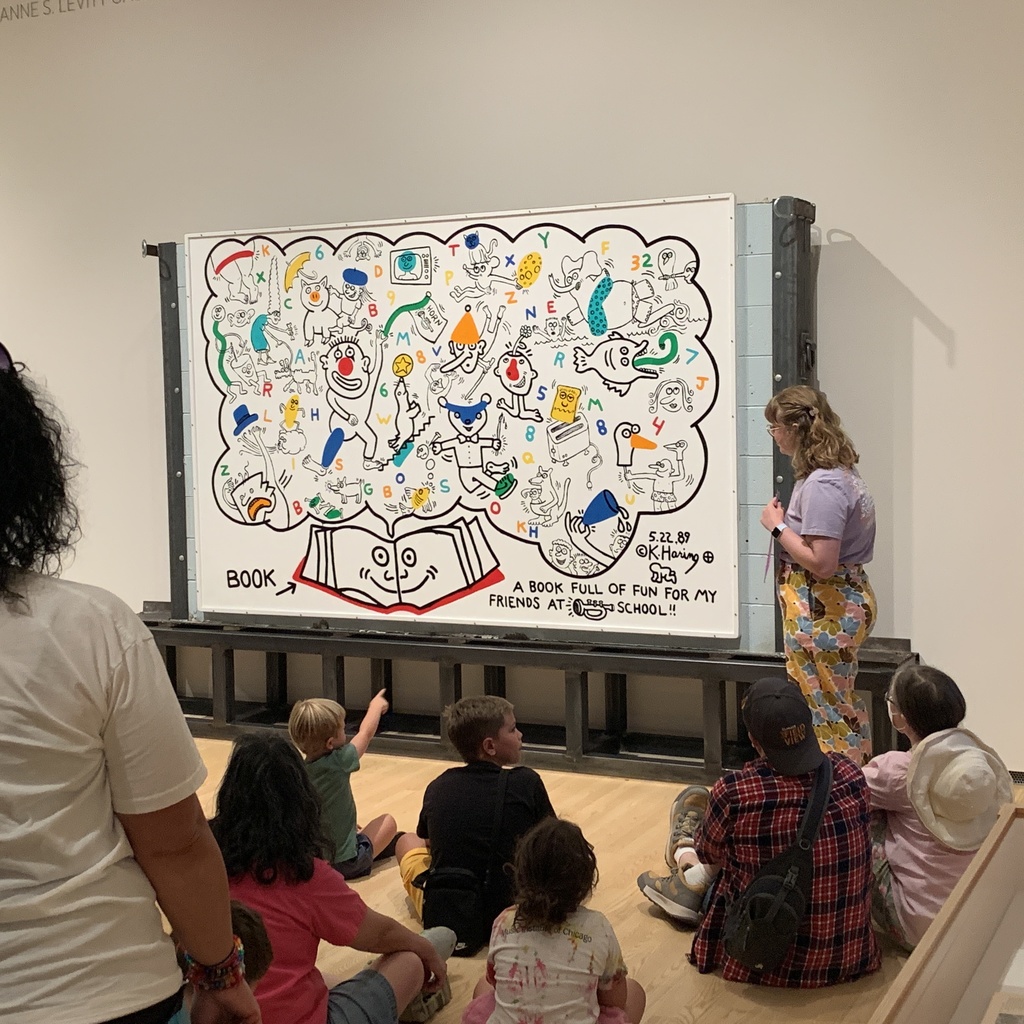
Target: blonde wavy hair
821, 441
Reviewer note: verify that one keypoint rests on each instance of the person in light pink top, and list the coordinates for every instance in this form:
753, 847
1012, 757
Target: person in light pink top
935, 803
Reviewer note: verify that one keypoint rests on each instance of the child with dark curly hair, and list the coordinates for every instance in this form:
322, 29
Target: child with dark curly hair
551, 959
278, 859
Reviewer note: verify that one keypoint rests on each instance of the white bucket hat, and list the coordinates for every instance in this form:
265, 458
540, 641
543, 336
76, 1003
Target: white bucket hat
957, 784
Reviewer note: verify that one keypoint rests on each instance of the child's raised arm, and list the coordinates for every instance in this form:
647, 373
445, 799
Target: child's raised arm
371, 720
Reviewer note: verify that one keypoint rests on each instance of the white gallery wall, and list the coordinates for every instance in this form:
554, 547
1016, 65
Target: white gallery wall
902, 122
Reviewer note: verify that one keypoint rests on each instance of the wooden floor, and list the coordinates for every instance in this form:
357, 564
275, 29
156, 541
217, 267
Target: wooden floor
626, 820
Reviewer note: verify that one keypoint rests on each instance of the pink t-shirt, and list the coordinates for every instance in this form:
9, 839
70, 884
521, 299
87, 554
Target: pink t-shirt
924, 871
297, 917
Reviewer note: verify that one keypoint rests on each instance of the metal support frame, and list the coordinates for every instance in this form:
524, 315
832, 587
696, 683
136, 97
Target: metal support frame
794, 344
616, 719
332, 677
223, 679
718, 674
494, 680
449, 685
277, 679
577, 715
174, 431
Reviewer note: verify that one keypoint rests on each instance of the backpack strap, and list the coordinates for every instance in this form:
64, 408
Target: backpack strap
810, 824
499, 814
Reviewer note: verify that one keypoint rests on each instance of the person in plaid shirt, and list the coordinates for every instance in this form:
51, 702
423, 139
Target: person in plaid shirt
751, 816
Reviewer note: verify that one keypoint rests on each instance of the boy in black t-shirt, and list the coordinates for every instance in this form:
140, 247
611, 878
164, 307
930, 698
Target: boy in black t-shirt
457, 821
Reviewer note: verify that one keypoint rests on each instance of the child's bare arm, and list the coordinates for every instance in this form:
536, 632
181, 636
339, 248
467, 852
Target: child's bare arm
371, 720
615, 994
381, 934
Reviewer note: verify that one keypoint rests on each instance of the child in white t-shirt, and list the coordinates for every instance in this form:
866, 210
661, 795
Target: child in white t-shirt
935, 803
551, 959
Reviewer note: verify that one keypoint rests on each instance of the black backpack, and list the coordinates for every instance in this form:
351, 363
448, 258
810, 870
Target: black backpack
457, 899
762, 923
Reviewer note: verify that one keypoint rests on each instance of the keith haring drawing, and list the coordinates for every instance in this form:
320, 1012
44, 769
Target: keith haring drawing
508, 420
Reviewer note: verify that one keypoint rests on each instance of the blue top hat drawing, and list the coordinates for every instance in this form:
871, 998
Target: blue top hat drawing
243, 418
604, 506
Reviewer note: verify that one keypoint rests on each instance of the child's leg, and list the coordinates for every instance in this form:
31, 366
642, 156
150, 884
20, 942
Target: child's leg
406, 842
686, 857
630, 1011
481, 1006
684, 818
636, 1001
700, 876
413, 860
380, 832
380, 992
404, 972
883, 902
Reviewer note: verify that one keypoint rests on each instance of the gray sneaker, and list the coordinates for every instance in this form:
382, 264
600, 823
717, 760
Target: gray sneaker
687, 812
673, 895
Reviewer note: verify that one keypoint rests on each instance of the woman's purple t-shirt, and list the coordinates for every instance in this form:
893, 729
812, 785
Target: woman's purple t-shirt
835, 503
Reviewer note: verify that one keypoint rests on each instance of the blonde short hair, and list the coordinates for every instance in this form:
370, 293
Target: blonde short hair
313, 722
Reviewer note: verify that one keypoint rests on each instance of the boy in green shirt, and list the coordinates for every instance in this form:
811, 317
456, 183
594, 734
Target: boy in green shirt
317, 728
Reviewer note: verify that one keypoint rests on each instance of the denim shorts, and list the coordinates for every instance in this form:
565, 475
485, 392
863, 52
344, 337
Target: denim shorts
359, 865
368, 998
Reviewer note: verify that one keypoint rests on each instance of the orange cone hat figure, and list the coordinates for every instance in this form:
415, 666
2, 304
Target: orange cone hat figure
466, 332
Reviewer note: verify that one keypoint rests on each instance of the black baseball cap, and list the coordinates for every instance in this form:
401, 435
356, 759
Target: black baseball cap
778, 717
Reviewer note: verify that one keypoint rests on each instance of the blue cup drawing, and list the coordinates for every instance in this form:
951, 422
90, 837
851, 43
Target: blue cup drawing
603, 506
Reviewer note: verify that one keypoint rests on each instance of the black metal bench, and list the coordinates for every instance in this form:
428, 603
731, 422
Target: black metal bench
613, 751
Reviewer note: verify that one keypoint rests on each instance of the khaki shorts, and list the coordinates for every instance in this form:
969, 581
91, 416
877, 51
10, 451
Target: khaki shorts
412, 865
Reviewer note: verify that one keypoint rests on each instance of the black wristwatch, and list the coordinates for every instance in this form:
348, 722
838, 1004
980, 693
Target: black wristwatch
777, 530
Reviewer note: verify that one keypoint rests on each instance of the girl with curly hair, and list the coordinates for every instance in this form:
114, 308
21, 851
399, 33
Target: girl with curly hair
98, 777
552, 960
826, 536
278, 858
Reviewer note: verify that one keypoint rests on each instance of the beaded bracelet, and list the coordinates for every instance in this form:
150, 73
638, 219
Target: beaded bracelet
227, 974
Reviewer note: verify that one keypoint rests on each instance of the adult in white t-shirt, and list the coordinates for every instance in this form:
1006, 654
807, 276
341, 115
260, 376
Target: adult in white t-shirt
98, 775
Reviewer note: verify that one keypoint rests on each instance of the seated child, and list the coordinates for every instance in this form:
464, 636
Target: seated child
552, 960
257, 953
934, 804
317, 728
270, 833
457, 821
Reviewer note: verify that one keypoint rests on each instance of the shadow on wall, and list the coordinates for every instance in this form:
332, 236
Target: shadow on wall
867, 326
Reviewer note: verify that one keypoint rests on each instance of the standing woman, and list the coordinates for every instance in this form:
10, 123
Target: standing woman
99, 819
826, 536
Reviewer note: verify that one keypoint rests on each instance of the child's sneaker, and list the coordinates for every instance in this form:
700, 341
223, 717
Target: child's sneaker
673, 895
425, 1005
684, 817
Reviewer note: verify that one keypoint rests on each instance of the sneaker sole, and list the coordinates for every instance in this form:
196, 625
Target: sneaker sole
673, 910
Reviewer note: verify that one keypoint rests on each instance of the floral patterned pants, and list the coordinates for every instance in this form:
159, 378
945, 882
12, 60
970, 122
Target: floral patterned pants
824, 622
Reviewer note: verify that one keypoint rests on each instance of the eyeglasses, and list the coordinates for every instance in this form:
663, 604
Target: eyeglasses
771, 429
6, 362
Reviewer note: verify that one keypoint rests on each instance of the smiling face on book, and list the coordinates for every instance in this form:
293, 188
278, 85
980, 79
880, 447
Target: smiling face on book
420, 568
